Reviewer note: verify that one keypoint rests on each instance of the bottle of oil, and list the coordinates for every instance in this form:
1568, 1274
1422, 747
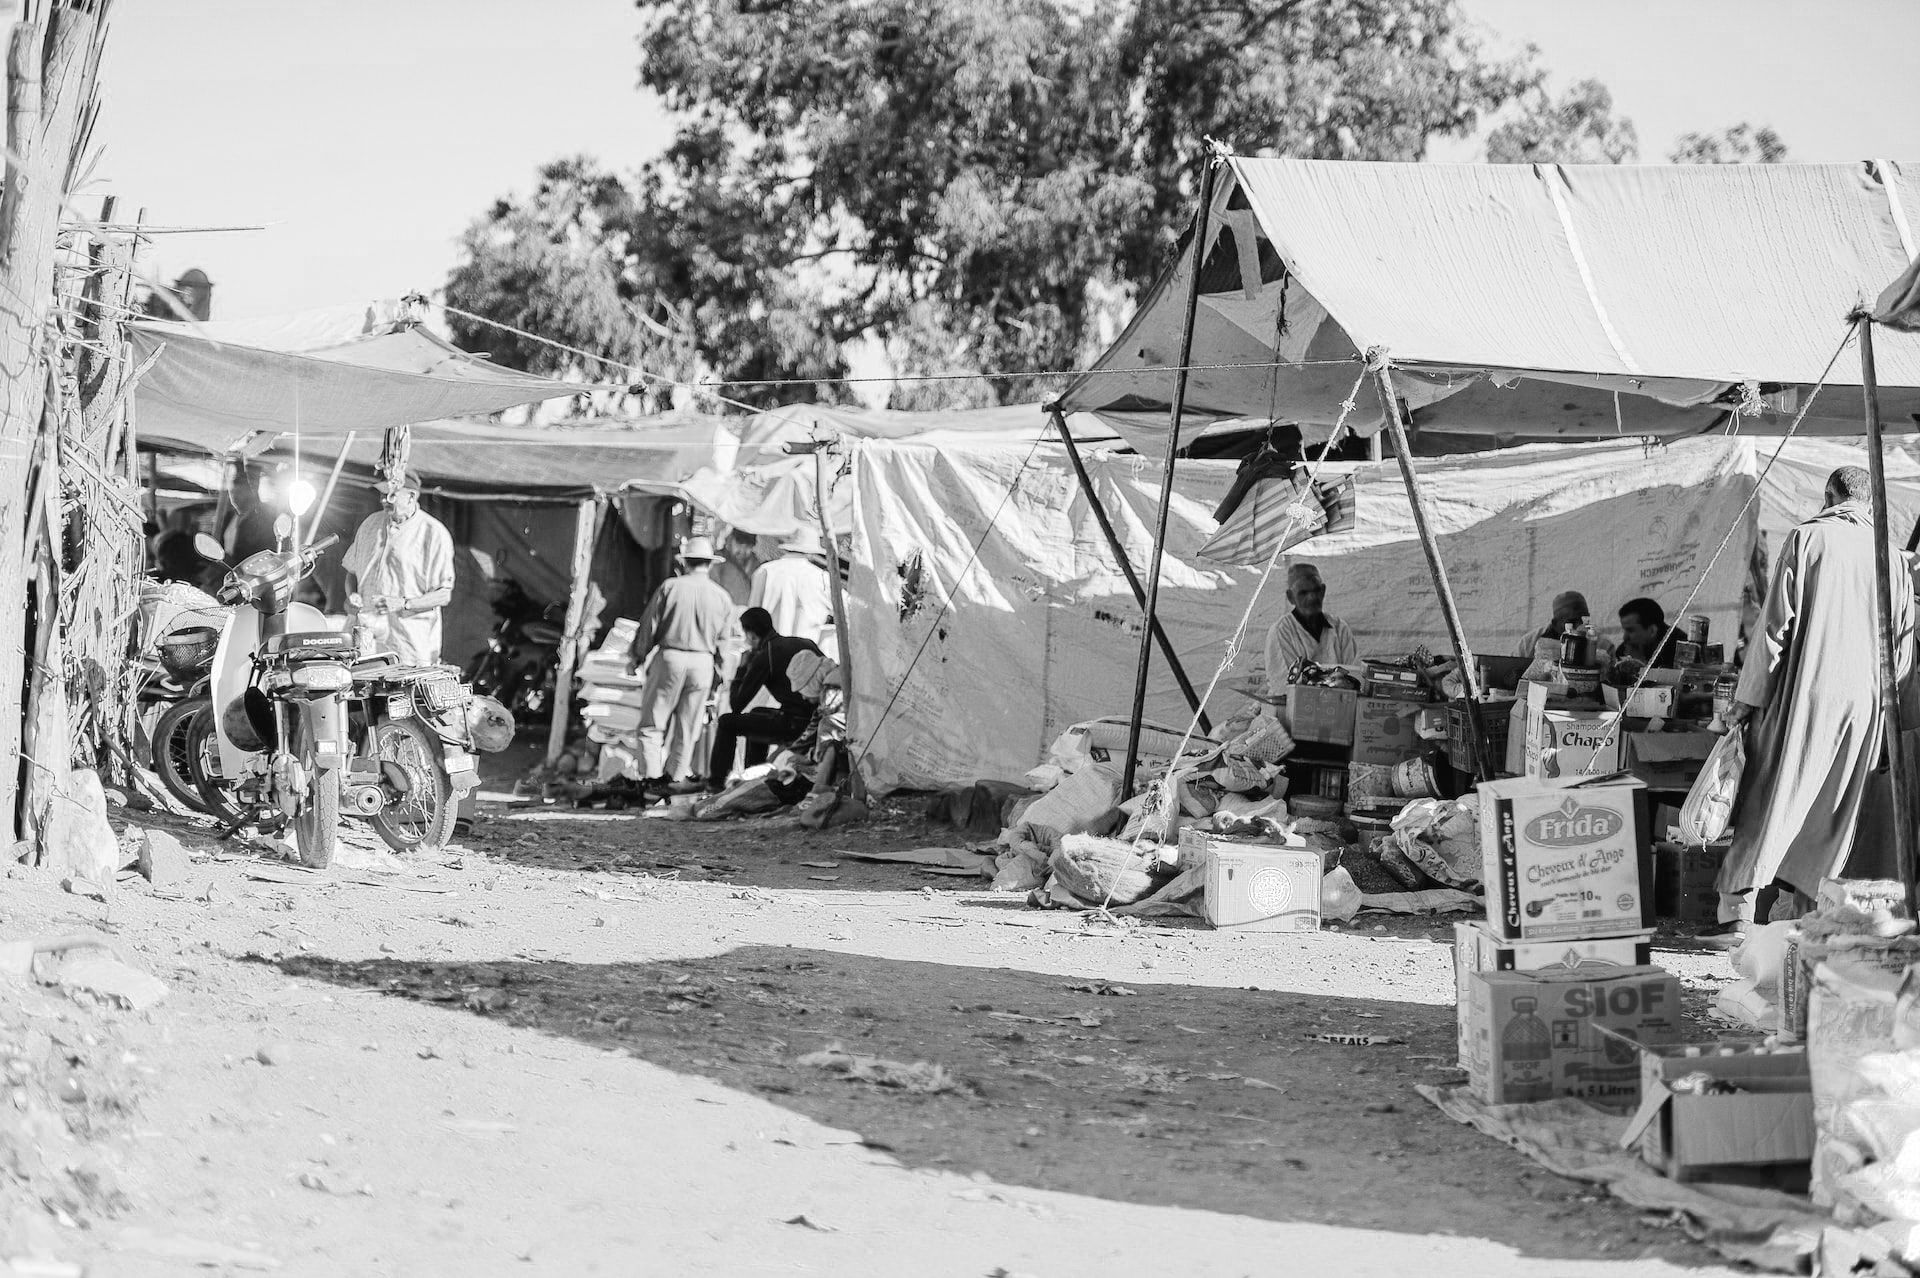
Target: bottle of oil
1526, 1055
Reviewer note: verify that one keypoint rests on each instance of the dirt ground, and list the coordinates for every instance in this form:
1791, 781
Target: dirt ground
578, 1043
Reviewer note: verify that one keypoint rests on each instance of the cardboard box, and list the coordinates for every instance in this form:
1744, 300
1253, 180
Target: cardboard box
1668, 760
1768, 1120
1394, 681
1254, 887
1653, 701
1864, 895
1565, 861
1535, 1035
1684, 878
1323, 715
1476, 949
1569, 742
1516, 760
1887, 954
1385, 731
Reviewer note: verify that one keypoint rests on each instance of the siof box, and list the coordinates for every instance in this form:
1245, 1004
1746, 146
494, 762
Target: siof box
1565, 861
1668, 760
1323, 715
1652, 701
1476, 949
1767, 1120
1684, 880
1253, 887
1567, 741
1534, 1036
1384, 731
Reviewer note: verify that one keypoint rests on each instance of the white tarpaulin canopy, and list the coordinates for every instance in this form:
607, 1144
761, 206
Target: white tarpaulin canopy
214, 387
1041, 630
1526, 302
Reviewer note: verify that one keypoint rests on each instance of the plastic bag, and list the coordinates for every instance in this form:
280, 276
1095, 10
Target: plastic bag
1339, 895
1708, 812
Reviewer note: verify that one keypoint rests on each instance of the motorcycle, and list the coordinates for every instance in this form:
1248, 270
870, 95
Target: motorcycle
180, 628
305, 726
522, 657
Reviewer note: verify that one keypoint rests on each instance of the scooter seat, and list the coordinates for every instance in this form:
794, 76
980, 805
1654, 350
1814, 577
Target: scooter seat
310, 645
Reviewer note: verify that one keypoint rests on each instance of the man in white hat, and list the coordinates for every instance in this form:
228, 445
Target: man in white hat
794, 588
1307, 632
400, 573
686, 630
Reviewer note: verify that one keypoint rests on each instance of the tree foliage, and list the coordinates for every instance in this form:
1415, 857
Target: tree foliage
974, 185
1579, 127
1740, 144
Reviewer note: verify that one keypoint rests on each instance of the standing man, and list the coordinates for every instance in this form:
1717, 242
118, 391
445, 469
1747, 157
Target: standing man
400, 573
1307, 632
1809, 700
794, 588
765, 668
682, 641
250, 530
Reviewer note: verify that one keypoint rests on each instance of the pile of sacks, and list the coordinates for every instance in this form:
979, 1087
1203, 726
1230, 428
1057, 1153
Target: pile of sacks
1434, 842
610, 703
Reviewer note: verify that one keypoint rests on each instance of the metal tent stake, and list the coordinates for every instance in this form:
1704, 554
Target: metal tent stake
1390, 406
1166, 480
1903, 787
1105, 521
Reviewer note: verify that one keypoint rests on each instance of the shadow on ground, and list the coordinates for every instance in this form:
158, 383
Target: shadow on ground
1168, 1094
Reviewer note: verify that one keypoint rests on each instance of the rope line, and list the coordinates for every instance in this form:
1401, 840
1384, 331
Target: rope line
1613, 728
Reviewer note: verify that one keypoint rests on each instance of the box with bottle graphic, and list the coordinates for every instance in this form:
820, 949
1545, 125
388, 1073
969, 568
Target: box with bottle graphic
1535, 1035
1476, 949
1563, 861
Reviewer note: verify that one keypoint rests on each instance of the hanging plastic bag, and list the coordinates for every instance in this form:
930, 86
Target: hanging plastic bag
1708, 812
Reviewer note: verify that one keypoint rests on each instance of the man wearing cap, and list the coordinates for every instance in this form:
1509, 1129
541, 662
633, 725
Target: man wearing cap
794, 588
765, 668
1307, 632
400, 573
1569, 609
682, 641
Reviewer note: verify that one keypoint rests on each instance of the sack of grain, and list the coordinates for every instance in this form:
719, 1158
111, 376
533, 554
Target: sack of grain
1096, 869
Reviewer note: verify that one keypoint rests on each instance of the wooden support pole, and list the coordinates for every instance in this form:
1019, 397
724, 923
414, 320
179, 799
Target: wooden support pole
1120, 557
856, 784
1152, 602
1903, 780
333, 481
586, 526
1449, 609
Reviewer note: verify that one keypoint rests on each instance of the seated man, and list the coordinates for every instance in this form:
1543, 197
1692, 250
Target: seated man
1306, 632
765, 667
1645, 634
1569, 609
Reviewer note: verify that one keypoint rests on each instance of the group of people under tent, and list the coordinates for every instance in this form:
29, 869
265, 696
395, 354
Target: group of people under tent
759, 639
1816, 796
1307, 634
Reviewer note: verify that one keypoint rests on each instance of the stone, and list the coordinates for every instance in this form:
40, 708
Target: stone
76, 839
162, 860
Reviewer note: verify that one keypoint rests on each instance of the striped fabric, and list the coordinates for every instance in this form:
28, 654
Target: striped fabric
1251, 531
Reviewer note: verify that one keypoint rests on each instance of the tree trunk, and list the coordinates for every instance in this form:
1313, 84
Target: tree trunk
51, 66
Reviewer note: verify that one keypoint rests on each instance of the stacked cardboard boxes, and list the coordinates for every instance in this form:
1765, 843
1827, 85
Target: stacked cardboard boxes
1563, 953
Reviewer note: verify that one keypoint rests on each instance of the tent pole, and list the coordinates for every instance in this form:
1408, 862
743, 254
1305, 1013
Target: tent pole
333, 481
585, 525
1152, 602
856, 784
1390, 406
1101, 517
1903, 795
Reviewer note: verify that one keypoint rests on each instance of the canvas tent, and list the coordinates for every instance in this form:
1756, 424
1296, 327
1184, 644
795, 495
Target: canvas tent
1524, 302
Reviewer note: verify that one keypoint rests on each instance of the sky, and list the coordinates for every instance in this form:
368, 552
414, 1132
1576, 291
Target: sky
366, 134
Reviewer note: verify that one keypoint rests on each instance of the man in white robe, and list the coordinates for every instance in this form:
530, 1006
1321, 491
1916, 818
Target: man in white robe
1809, 701
400, 572
1307, 632
794, 589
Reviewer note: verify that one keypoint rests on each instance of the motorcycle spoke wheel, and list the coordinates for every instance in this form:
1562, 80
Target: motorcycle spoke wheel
174, 746
423, 815
316, 826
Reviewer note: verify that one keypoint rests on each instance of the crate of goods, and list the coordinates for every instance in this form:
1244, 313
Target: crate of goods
1476, 949
1684, 879
1399, 682
1386, 731
1252, 887
1569, 740
1534, 1036
1565, 861
1494, 720
1720, 1105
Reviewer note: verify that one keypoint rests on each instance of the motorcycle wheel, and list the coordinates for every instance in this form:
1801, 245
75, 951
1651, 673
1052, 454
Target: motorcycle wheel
424, 815
172, 751
203, 767
316, 825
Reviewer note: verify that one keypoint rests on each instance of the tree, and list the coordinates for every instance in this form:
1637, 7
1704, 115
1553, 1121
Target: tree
1579, 128
1740, 144
977, 185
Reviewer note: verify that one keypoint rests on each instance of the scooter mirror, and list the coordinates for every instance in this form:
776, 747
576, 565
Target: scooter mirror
208, 548
283, 527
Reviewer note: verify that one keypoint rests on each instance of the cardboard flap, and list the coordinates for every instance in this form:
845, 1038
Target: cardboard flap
1653, 1099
